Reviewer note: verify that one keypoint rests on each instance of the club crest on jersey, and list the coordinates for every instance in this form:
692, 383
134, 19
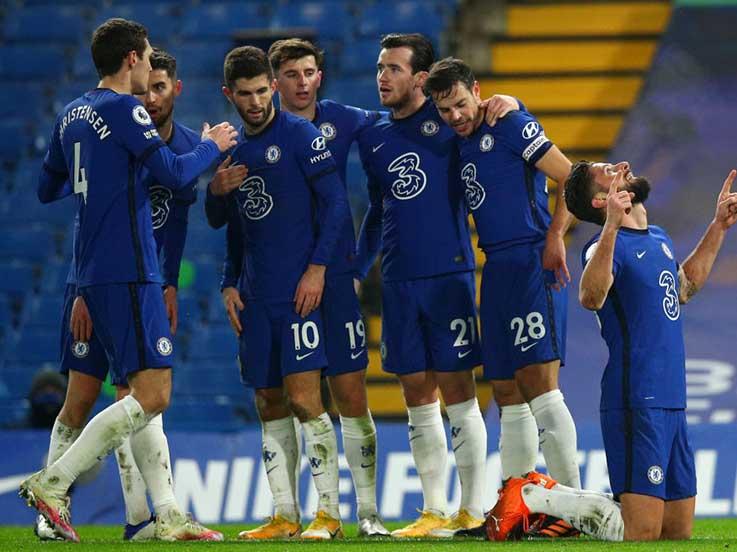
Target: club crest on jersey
655, 475
667, 251
411, 179
141, 116
475, 193
258, 203
164, 346
80, 349
429, 128
273, 154
160, 197
530, 130
486, 143
318, 144
328, 130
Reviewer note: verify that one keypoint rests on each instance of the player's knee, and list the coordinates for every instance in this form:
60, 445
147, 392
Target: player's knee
305, 405
271, 405
537, 379
153, 401
643, 529
506, 393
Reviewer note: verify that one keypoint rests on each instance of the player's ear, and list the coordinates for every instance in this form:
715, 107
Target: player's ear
319, 78
476, 90
420, 78
227, 93
273, 85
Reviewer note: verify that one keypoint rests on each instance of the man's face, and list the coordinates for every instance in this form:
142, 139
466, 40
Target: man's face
604, 175
298, 81
140, 71
460, 108
394, 77
252, 99
159, 100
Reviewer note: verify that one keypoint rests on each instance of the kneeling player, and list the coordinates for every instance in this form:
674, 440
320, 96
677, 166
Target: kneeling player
632, 281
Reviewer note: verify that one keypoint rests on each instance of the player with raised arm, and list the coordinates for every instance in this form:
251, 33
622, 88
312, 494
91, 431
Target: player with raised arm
429, 330
523, 312
285, 252
99, 144
633, 282
84, 360
297, 65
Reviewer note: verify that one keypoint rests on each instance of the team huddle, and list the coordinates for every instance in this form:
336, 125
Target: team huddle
291, 275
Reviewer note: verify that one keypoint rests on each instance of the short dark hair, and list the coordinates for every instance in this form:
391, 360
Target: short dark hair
423, 54
444, 75
161, 59
579, 191
289, 49
113, 40
246, 62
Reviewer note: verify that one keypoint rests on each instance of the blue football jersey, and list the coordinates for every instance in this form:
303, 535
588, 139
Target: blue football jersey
340, 125
170, 209
641, 323
417, 214
290, 172
101, 142
505, 193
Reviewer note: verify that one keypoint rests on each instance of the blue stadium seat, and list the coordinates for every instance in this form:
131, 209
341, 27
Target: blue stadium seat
211, 343
24, 99
359, 58
31, 61
30, 244
221, 20
202, 59
16, 377
13, 412
358, 91
44, 312
34, 345
200, 98
6, 315
209, 378
189, 310
330, 19
161, 19
407, 16
15, 139
24, 208
201, 415
45, 24
18, 278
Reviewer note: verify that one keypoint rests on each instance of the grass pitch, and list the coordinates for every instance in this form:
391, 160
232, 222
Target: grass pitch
709, 535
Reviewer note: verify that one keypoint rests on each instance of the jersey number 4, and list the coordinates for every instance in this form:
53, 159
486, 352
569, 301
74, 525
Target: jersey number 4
80, 175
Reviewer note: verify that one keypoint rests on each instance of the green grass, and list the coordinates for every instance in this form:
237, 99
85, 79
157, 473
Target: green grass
709, 534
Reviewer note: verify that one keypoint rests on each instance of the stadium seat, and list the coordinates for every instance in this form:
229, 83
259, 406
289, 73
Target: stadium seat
359, 58
45, 24
16, 378
201, 99
211, 343
44, 312
14, 139
359, 91
221, 20
409, 16
18, 278
34, 345
330, 19
160, 19
209, 378
28, 244
21, 99
31, 61
202, 59
201, 415
13, 412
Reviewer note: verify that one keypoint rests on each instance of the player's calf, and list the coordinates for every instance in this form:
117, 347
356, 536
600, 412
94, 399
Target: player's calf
152, 389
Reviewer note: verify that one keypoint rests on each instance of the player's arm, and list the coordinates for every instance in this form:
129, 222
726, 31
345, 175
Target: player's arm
598, 274
369, 241
231, 274
557, 166
53, 181
695, 270
227, 178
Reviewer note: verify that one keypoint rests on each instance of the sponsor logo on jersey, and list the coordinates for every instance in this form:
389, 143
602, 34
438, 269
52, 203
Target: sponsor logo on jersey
671, 303
141, 116
475, 193
160, 197
80, 349
486, 143
164, 346
258, 202
328, 130
321, 157
318, 144
530, 129
273, 154
411, 179
429, 128
667, 251
655, 475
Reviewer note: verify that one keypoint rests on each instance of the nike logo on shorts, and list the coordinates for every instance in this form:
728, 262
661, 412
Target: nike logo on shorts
354, 356
528, 347
301, 357
464, 353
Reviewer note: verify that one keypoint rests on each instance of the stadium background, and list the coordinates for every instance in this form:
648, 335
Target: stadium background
645, 81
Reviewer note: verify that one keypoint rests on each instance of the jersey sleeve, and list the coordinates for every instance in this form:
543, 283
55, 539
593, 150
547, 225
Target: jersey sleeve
361, 118
134, 128
525, 136
617, 257
53, 181
369, 241
318, 167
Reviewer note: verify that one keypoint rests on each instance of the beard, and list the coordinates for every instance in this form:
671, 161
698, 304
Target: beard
266, 114
640, 186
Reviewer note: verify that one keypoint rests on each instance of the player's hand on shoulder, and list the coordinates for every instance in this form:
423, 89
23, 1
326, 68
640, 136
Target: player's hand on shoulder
227, 177
554, 259
726, 213
618, 201
498, 106
224, 135
233, 305
309, 290
80, 321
